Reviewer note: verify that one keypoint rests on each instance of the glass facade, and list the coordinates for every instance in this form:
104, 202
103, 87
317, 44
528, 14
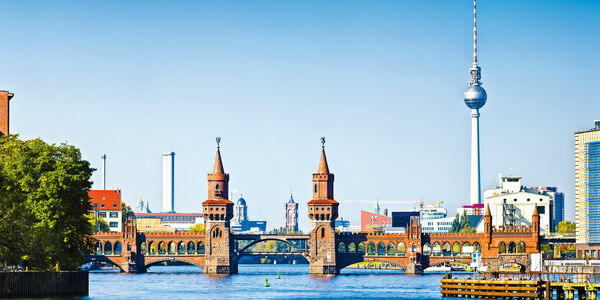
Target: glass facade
592, 188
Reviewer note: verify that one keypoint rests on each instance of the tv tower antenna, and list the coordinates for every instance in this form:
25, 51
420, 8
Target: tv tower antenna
475, 98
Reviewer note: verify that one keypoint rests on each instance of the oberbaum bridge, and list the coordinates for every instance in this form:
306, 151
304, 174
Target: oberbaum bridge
219, 250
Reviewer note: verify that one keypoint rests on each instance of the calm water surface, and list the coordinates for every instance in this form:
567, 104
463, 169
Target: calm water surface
162, 282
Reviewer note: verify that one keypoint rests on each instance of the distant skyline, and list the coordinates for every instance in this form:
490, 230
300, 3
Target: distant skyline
382, 80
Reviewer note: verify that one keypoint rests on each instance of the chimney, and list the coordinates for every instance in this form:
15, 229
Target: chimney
385, 212
4, 112
103, 171
169, 182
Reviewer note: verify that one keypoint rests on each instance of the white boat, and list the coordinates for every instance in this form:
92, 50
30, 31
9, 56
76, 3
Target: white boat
274, 262
438, 269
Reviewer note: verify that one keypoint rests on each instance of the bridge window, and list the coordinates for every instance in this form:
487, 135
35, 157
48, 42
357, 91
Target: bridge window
371, 249
217, 233
401, 249
200, 248
191, 248
217, 187
143, 248
341, 247
512, 248
315, 188
437, 249
98, 248
361, 248
171, 248
391, 249
162, 248
414, 248
426, 249
467, 250
322, 232
352, 248
117, 248
476, 247
456, 249
446, 249
128, 247
181, 248
502, 247
521, 248
381, 248
107, 248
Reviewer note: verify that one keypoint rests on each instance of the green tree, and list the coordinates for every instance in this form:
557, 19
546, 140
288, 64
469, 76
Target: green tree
43, 204
126, 213
455, 227
565, 227
198, 228
102, 224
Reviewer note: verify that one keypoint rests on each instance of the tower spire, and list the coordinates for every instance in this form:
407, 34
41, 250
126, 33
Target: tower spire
218, 168
474, 33
323, 167
475, 98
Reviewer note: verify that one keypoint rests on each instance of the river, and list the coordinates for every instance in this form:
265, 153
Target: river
175, 282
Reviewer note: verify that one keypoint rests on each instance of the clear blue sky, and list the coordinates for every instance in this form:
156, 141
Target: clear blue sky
382, 80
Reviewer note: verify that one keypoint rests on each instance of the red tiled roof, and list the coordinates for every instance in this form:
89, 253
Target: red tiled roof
106, 199
224, 201
326, 201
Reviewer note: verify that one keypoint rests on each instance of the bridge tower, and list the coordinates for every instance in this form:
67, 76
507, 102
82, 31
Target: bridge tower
487, 229
323, 210
218, 211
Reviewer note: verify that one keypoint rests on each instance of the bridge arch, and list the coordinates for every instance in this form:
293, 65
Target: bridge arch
158, 260
105, 259
391, 249
264, 240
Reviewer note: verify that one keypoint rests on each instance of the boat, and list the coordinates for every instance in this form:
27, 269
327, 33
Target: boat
438, 269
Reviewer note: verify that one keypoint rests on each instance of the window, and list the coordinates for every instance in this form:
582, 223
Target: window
217, 187
114, 214
102, 214
114, 205
315, 188
541, 210
114, 224
101, 205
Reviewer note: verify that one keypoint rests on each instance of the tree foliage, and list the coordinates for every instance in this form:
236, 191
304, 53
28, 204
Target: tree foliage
461, 224
198, 228
102, 224
126, 213
44, 205
565, 227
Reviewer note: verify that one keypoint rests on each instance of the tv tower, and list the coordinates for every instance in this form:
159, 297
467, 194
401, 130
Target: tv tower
475, 98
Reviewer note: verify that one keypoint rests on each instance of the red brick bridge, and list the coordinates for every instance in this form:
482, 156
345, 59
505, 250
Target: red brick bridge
327, 251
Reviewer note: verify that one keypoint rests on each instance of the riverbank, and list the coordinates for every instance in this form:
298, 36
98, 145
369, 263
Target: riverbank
43, 284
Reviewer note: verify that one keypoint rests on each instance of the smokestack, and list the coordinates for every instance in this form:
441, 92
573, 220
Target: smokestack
169, 182
385, 212
103, 171
4, 111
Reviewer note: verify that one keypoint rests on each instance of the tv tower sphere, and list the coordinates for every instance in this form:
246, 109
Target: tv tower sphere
475, 96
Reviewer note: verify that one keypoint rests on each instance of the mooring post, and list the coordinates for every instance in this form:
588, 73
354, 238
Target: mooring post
548, 290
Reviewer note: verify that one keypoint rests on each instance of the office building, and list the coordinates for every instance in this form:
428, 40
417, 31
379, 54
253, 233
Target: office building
587, 190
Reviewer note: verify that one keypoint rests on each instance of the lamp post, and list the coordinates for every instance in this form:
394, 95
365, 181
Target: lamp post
96, 217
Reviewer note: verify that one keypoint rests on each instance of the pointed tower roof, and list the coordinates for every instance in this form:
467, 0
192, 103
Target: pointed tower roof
487, 210
218, 168
291, 198
535, 211
323, 167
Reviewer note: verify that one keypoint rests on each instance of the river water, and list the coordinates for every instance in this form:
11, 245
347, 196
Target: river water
177, 282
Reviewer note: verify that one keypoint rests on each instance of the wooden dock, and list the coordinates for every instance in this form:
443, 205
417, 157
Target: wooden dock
492, 289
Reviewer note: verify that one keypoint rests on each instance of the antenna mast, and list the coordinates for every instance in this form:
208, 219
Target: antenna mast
474, 33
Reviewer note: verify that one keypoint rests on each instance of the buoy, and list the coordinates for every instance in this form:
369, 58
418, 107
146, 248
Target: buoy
267, 282
278, 277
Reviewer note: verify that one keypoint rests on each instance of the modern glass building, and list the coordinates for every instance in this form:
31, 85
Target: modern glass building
587, 191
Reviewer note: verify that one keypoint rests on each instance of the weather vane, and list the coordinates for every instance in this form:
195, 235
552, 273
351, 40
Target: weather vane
323, 142
218, 142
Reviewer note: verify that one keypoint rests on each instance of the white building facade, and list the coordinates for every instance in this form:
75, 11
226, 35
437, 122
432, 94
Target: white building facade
512, 204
